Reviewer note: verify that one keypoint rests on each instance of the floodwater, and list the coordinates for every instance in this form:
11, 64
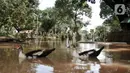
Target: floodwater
113, 59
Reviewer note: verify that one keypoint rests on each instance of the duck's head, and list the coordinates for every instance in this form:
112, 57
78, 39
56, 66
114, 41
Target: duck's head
53, 49
19, 47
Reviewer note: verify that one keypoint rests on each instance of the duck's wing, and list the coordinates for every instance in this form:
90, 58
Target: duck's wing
87, 52
40, 53
34, 52
47, 52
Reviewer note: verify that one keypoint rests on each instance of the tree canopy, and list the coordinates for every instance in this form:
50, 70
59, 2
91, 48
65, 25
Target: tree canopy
20, 14
111, 4
71, 10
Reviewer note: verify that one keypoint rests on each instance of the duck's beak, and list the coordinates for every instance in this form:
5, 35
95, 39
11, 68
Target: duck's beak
17, 46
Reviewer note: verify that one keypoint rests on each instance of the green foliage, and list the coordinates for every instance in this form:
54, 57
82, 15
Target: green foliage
106, 11
112, 23
47, 19
47, 24
20, 14
101, 33
70, 10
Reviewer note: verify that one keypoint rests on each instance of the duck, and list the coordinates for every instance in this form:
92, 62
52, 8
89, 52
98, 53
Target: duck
91, 53
35, 53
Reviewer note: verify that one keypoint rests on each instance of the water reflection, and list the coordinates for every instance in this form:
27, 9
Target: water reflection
86, 64
94, 68
43, 69
87, 46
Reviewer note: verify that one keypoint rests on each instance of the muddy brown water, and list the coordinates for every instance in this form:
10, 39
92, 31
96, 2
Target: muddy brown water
113, 59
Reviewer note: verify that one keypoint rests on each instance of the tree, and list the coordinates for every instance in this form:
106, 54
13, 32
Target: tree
106, 11
113, 24
47, 19
20, 14
112, 21
92, 34
101, 33
71, 10
111, 4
